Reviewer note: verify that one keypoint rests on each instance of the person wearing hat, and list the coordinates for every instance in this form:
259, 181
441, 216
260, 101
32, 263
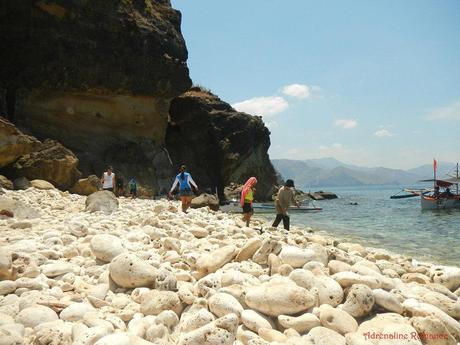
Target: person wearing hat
284, 200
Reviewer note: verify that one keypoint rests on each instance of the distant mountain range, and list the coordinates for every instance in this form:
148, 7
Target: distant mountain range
334, 173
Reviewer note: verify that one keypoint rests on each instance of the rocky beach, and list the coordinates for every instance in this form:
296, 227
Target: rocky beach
100, 270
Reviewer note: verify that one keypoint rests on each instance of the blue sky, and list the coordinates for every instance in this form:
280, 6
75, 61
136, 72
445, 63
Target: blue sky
373, 83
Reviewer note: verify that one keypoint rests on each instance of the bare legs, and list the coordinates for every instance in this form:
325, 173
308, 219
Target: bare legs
247, 218
186, 201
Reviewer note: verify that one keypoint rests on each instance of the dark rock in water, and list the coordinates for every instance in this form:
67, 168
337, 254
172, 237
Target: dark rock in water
18, 209
104, 201
87, 186
13, 143
98, 77
218, 144
51, 162
5, 183
205, 200
323, 195
21, 183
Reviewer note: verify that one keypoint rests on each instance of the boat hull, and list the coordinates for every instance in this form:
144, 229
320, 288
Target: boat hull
439, 203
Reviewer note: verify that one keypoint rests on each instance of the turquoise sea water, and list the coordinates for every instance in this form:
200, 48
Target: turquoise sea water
397, 225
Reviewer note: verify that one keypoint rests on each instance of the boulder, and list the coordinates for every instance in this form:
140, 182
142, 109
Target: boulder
387, 300
105, 247
40, 184
18, 209
302, 324
5, 183
129, 271
205, 200
35, 315
448, 276
295, 256
7, 272
323, 336
155, 302
233, 191
221, 304
336, 319
211, 262
87, 186
249, 248
219, 332
279, 297
360, 300
21, 183
104, 201
413, 307
13, 143
57, 268
75, 312
391, 324
254, 320
50, 162
430, 326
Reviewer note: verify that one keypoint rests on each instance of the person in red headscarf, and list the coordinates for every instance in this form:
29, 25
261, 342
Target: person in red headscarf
247, 196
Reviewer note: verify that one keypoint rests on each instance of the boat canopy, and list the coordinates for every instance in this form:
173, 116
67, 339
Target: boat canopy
443, 183
453, 180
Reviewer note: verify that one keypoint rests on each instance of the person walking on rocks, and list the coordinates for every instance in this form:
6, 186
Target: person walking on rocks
185, 182
284, 199
132, 187
247, 197
108, 180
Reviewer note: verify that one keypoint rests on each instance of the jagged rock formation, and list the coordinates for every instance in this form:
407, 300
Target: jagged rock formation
26, 157
51, 162
219, 144
97, 77
14, 143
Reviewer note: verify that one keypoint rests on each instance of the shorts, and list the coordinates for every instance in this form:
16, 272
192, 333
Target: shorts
186, 192
247, 208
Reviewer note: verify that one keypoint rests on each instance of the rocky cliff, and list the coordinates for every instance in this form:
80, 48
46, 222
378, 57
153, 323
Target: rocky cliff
219, 144
97, 76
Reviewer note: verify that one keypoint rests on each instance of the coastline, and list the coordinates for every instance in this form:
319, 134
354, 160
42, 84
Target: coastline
148, 274
342, 236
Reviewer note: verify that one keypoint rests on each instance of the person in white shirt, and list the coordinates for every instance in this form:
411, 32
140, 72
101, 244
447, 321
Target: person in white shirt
108, 180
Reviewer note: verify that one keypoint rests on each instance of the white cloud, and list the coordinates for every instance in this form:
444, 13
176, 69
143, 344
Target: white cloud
450, 112
271, 124
263, 106
382, 133
297, 90
346, 123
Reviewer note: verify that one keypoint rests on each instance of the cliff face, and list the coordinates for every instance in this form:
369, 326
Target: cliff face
219, 144
97, 76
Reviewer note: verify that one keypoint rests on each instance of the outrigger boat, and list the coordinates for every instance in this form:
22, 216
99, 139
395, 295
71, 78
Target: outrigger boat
441, 197
412, 193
